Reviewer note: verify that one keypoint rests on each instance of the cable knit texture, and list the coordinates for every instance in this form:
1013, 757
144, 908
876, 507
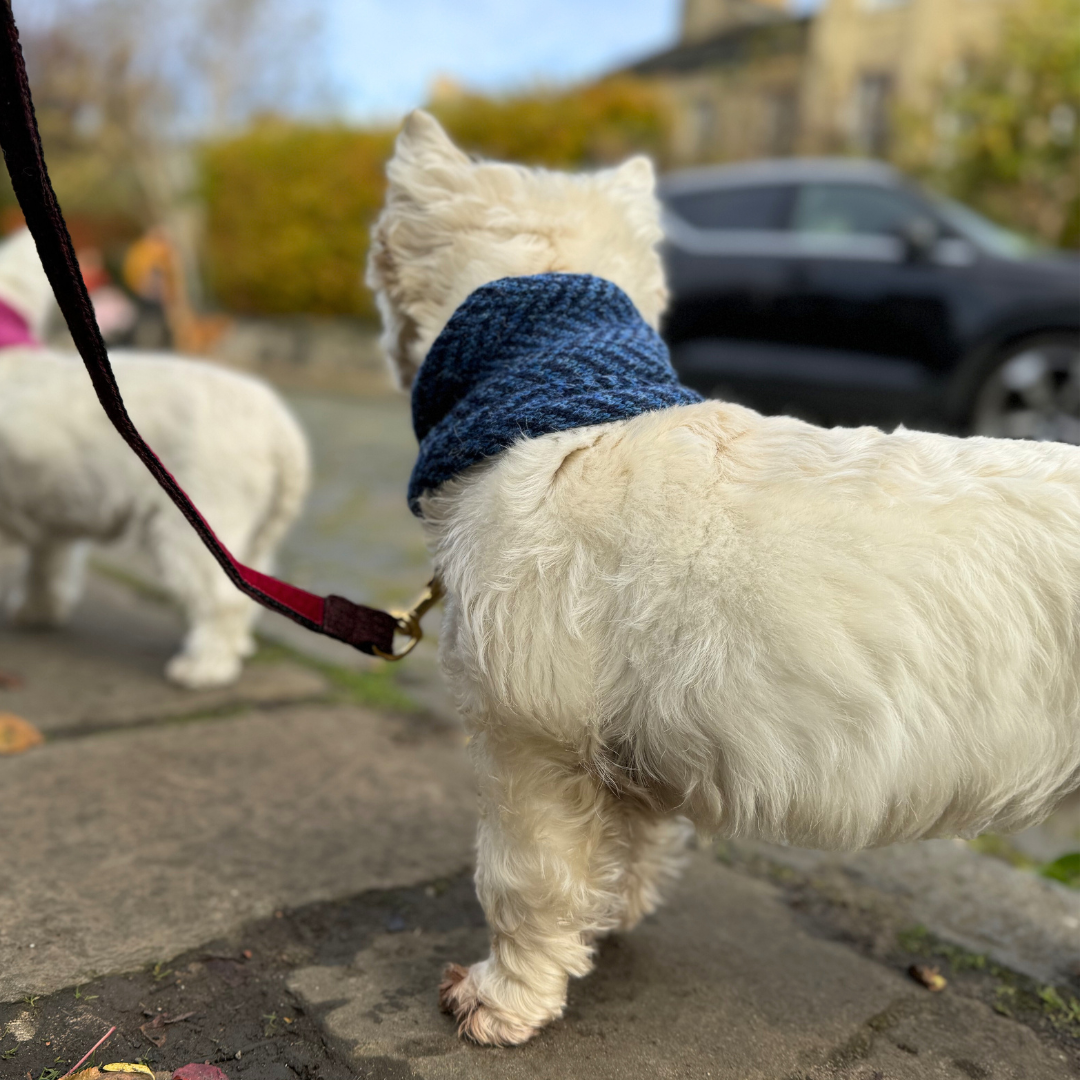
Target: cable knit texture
527, 356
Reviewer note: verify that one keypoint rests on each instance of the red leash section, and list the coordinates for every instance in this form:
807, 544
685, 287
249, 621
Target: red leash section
367, 629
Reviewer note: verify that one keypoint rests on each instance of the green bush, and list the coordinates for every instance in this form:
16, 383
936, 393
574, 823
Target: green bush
288, 212
1003, 132
289, 206
598, 124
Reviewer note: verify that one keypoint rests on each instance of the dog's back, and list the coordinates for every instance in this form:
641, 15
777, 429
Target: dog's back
833, 638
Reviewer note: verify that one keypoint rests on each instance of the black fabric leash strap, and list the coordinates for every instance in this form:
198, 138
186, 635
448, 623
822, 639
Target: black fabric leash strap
367, 629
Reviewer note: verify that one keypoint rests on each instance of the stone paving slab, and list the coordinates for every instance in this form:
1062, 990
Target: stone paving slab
125, 848
106, 668
1023, 921
722, 983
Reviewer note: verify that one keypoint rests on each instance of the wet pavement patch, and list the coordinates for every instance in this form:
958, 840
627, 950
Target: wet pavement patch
229, 1003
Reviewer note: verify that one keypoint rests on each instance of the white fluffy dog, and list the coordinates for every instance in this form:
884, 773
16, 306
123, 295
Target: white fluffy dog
66, 476
829, 638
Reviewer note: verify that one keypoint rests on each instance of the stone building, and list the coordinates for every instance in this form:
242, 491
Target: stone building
750, 78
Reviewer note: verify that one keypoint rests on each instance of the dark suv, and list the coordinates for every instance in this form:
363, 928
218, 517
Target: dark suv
838, 291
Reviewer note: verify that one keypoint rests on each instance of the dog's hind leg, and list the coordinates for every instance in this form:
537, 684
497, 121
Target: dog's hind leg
657, 854
551, 859
52, 584
219, 616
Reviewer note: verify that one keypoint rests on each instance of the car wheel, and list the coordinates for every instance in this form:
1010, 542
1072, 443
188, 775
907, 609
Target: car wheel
1033, 393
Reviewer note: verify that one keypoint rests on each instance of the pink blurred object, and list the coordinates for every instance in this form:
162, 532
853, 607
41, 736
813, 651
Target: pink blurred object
14, 329
199, 1072
114, 312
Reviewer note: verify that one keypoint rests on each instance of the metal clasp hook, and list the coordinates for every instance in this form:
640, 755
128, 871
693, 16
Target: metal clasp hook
408, 622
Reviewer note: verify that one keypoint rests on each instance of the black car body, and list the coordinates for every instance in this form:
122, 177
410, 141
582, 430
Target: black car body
837, 290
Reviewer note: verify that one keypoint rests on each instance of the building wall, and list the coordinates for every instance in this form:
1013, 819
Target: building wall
703, 18
831, 90
866, 56
729, 115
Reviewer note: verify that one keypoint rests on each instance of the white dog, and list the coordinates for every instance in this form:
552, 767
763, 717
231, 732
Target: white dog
829, 638
66, 476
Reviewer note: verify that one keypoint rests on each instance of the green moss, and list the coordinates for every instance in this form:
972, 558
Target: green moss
998, 847
1065, 869
376, 688
1014, 996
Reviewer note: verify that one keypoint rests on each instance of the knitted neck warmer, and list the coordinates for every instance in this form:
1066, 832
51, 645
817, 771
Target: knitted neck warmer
528, 356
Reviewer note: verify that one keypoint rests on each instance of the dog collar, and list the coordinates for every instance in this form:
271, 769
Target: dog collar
14, 329
529, 356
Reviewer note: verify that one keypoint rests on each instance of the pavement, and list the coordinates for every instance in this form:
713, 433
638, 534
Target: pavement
271, 877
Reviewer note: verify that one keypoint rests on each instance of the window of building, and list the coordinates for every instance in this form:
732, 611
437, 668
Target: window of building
873, 100
705, 126
783, 122
853, 209
735, 208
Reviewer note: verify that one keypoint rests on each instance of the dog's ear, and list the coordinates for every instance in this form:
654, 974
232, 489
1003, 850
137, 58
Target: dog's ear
635, 177
425, 159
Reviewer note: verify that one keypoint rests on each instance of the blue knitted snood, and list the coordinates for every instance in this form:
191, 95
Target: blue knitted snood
527, 356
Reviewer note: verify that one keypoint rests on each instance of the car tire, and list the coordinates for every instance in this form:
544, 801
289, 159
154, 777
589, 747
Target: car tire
1032, 392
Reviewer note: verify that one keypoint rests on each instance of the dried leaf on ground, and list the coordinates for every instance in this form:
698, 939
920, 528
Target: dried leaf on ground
930, 977
199, 1072
1065, 869
17, 734
156, 1024
118, 1070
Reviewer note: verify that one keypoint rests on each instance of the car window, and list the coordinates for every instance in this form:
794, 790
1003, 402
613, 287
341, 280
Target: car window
735, 207
985, 234
853, 209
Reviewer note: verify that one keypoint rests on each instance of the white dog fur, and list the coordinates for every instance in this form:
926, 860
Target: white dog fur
829, 638
66, 476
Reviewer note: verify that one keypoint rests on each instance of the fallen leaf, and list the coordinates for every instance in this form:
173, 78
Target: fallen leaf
17, 734
199, 1072
156, 1023
117, 1071
8, 681
930, 977
1065, 869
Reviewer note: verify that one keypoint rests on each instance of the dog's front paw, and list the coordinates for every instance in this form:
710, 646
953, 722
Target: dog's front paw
203, 672
476, 1020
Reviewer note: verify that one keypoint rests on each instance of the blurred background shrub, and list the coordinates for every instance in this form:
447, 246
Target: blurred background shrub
571, 127
287, 213
1003, 130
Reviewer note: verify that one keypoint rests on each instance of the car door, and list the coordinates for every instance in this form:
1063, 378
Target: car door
729, 271
875, 297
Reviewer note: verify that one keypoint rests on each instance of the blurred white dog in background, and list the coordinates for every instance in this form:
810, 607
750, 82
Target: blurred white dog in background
830, 638
66, 476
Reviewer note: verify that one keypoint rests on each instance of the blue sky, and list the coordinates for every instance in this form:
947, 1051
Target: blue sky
383, 54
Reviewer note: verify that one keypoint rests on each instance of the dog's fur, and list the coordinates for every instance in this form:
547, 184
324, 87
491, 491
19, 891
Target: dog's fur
830, 638
66, 476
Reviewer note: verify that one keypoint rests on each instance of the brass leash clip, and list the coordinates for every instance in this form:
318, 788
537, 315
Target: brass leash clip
408, 622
